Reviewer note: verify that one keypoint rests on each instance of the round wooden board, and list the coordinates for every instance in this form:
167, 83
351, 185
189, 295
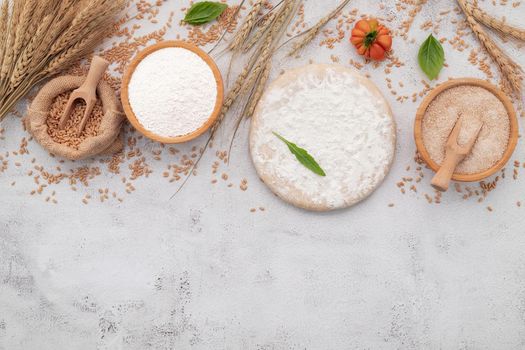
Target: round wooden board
281, 186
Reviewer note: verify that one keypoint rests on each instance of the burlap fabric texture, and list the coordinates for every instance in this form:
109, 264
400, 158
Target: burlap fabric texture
107, 141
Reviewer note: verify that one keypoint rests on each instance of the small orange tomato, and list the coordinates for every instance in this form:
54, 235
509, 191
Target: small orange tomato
371, 39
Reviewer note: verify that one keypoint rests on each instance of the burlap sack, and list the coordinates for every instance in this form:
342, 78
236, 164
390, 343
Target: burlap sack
108, 140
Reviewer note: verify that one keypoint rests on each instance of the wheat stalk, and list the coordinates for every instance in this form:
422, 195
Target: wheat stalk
10, 40
26, 57
245, 81
249, 44
23, 25
254, 74
263, 58
257, 94
226, 29
259, 58
4, 17
259, 62
247, 26
312, 32
265, 50
492, 22
83, 46
38, 12
41, 38
232, 95
254, 66
512, 73
82, 22
264, 22
259, 75
284, 16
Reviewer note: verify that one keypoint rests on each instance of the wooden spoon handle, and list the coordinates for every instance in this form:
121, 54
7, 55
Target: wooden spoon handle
442, 178
96, 72
90, 105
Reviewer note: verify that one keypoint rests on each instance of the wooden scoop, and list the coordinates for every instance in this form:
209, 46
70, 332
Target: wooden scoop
454, 154
87, 92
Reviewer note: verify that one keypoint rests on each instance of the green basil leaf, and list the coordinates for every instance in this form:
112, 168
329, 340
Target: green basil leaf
431, 57
204, 12
302, 156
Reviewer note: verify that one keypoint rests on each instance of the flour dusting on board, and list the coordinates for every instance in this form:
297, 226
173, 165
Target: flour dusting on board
332, 113
172, 92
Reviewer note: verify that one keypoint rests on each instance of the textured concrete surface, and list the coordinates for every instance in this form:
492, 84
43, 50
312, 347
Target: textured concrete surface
201, 271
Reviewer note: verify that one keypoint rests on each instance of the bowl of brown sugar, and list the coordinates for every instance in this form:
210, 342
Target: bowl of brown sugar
475, 101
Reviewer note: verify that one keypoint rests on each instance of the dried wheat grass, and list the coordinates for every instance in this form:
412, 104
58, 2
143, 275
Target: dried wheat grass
41, 38
260, 57
249, 84
314, 31
254, 39
492, 22
259, 90
512, 73
247, 26
252, 100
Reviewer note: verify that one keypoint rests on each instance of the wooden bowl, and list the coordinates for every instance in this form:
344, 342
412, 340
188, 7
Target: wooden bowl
513, 135
125, 93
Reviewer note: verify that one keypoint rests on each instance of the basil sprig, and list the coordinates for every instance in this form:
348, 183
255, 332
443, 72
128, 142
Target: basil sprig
302, 156
204, 12
431, 57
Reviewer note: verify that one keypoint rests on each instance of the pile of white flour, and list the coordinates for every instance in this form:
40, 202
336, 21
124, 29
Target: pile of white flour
172, 92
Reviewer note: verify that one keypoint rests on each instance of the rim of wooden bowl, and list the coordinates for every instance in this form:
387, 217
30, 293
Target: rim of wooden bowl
513, 132
131, 69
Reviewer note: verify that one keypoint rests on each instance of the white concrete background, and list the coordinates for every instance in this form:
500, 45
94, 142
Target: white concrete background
200, 271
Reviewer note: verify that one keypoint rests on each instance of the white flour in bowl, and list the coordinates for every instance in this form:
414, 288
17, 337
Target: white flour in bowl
172, 92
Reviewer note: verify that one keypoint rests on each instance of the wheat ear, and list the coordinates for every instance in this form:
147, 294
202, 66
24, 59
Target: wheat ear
23, 65
272, 21
252, 101
254, 39
38, 13
511, 72
40, 38
10, 41
314, 31
86, 21
246, 27
232, 96
263, 54
256, 97
247, 76
492, 22
251, 72
23, 25
259, 74
4, 20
